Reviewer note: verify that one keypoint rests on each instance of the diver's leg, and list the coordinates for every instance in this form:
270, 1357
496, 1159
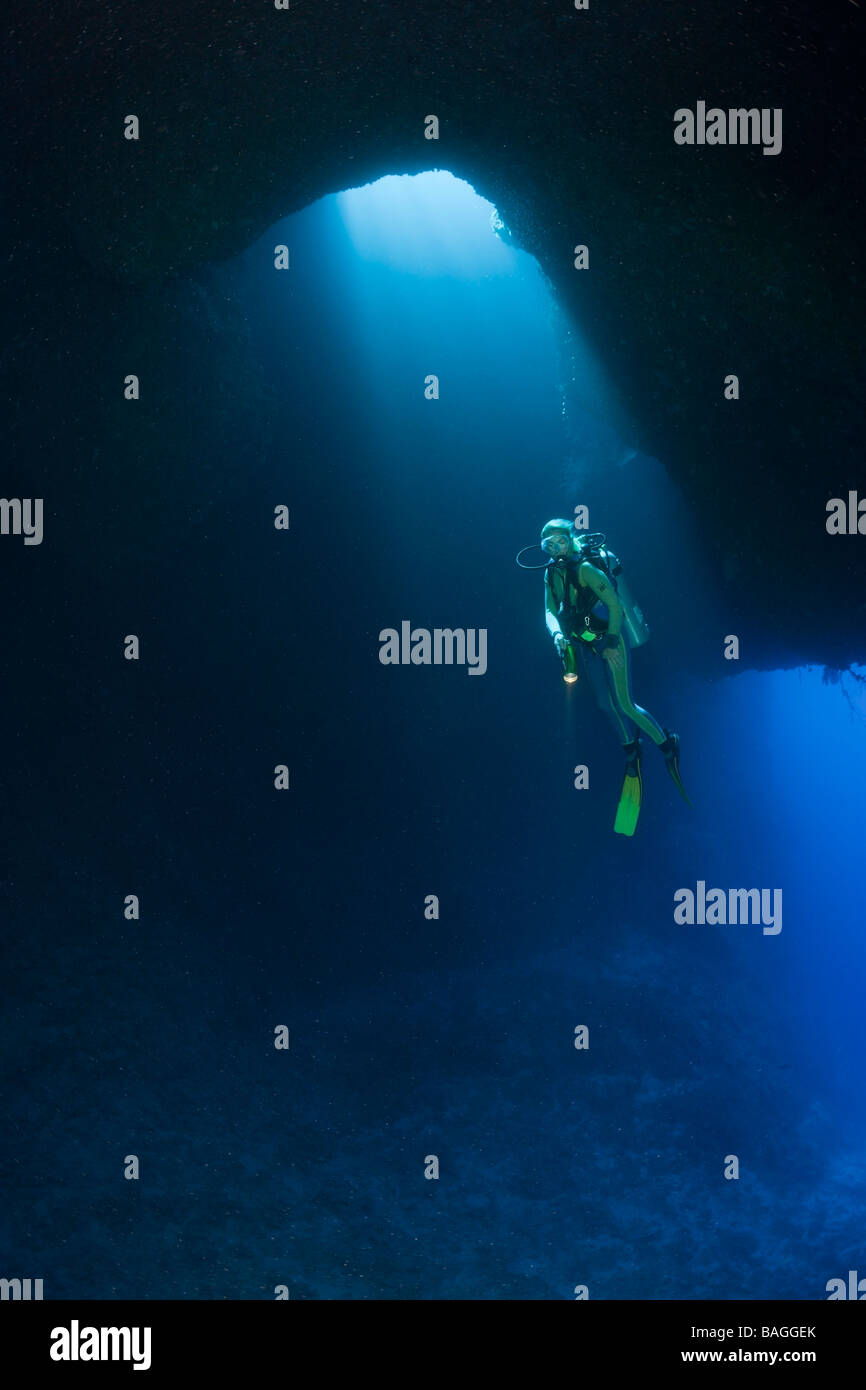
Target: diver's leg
620, 686
628, 809
667, 743
671, 750
595, 671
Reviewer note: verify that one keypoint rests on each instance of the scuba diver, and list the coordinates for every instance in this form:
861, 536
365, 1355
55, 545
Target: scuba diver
594, 622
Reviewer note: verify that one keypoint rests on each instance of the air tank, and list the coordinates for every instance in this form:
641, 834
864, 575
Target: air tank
635, 624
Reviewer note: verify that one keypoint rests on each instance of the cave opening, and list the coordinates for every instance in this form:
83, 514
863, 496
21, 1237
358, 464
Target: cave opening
472, 396
410, 507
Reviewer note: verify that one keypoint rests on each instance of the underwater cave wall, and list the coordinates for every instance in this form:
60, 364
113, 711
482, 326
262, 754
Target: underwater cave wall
703, 262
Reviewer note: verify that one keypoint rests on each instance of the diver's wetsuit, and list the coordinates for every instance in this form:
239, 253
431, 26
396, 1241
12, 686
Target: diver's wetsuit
580, 608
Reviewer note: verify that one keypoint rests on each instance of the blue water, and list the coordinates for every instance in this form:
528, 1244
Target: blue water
411, 1037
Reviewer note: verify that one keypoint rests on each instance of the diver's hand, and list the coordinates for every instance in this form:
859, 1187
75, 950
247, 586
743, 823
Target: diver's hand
613, 656
561, 643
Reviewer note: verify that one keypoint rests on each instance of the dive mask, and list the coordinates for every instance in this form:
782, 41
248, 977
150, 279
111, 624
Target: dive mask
556, 545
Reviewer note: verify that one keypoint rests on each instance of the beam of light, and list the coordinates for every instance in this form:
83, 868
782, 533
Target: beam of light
432, 265
430, 224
